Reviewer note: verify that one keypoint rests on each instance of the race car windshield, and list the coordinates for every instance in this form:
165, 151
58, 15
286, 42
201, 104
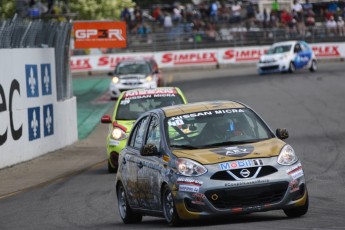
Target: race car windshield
216, 128
279, 49
132, 68
131, 108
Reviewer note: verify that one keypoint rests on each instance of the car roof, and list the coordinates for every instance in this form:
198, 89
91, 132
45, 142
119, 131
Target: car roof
201, 106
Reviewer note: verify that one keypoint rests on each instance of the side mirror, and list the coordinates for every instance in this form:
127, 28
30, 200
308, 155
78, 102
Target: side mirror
149, 150
110, 74
282, 133
106, 119
156, 71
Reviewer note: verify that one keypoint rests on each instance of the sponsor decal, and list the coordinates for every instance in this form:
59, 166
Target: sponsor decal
237, 151
293, 186
186, 180
135, 93
198, 198
112, 61
114, 142
251, 54
99, 34
46, 79
297, 174
245, 183
31, 80
34, 123
296, 171
206, 113
48, 120
240, 164
188, 188
326, 51
235, 210
190, 58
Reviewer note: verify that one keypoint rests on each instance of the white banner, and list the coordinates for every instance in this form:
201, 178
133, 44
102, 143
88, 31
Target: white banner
31, 121
185, 58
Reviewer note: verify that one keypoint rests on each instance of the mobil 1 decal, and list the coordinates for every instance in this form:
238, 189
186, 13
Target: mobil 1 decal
235, 151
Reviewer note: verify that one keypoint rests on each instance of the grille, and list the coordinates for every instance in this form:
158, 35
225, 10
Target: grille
224, 175
132, 83
247, 196
273, 67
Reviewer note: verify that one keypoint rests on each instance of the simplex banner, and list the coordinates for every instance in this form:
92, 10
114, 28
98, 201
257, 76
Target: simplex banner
185, 58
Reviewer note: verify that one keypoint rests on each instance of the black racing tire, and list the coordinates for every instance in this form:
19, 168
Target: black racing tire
298, 211
111, 169
313, 66
292, 67
127, 215
169, 208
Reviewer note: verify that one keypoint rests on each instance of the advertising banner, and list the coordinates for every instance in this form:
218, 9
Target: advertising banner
99, 35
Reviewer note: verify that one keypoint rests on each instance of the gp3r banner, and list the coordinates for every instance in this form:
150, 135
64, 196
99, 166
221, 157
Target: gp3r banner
99, 35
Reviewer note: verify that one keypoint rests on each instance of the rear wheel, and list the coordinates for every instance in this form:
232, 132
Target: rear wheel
169, 208
298, 211
126, 213
292, 67
313, 66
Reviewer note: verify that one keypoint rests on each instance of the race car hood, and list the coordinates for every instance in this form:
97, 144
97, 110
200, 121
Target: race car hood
126, 76
126, 123
267, 148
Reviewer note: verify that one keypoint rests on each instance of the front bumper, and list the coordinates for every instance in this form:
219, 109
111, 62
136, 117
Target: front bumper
273, 67
278, 190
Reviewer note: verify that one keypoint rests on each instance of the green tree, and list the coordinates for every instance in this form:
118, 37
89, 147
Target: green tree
99, 9
7, 8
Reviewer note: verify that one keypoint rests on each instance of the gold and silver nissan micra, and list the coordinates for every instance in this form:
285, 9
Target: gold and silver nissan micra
206, 159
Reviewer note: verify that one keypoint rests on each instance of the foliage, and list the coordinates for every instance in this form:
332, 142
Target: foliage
7, 9
99, 9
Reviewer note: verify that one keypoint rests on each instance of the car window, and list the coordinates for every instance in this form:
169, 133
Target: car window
153, 134
133, 68
297, 48
130, 108
136, 140
279, 49
304, 46
216, 127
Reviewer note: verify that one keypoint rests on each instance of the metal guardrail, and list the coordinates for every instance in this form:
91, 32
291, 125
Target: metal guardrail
18, 33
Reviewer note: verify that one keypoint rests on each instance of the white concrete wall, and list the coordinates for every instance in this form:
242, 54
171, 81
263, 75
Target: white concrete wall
32, 121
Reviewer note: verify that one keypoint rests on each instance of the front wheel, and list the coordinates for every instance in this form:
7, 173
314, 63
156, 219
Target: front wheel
126, 213
313, 66
169, 208
292, 67
298, 211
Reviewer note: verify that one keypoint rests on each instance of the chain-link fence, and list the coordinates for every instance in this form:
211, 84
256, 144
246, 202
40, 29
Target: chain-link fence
18, 33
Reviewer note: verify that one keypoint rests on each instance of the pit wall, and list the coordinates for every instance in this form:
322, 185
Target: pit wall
200, 57
32, 121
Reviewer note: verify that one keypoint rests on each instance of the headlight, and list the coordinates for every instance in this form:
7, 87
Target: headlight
149, 78
115, 80
287, 156
188, 167
118, 134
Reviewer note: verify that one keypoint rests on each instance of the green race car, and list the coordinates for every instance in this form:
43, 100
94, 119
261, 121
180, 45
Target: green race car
129, 106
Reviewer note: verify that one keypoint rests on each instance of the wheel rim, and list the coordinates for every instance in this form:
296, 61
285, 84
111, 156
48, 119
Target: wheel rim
168, 206
122, 202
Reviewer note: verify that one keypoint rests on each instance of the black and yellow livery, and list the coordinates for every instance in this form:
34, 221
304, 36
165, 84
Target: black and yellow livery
207, 159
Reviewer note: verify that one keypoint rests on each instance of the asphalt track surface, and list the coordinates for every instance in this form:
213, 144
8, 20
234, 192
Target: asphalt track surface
80, 193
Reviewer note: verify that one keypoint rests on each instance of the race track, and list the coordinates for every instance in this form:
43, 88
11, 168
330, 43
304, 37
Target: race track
310, 105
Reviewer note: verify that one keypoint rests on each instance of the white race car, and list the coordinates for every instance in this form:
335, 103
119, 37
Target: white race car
287, 57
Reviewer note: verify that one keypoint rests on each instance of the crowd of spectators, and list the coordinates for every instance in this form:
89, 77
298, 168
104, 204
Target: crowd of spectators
207, 20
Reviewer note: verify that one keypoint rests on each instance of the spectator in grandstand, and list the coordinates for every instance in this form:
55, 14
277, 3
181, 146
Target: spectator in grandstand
143, 32
288, 22
157, 15
138, 14
236, 13
125, 16
214, 11
167, 23
224, 13
177, 13
341, 26
331, 26
310, 22
299, 16
274, 20
210, 32
307, 7
275, 6
333, 7
250, 11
